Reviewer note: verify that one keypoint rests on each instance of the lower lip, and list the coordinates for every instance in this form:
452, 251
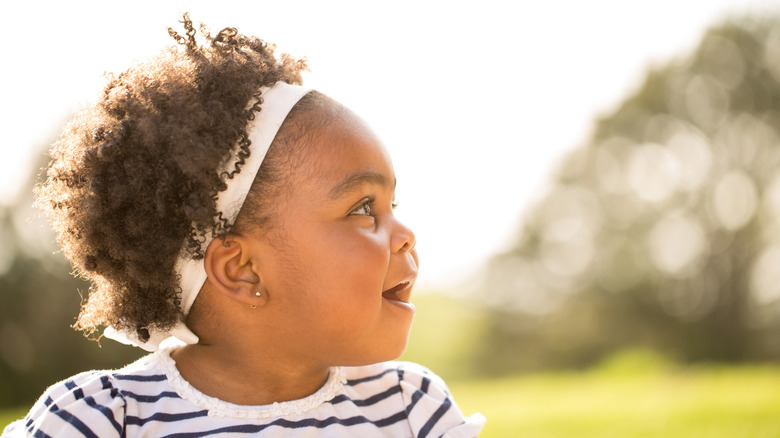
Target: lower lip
402, 304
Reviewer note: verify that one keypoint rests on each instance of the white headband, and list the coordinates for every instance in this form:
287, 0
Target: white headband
278, 100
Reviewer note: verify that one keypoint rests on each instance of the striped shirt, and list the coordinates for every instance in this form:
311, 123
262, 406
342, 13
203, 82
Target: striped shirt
149, 398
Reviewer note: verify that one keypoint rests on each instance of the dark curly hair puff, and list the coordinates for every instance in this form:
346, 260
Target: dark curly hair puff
134, 179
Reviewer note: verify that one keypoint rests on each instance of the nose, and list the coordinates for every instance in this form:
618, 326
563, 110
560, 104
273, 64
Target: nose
402, 239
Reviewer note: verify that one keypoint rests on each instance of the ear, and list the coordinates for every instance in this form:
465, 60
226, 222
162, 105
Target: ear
230, 271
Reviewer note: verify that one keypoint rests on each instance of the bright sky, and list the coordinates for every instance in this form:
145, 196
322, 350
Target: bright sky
476, 101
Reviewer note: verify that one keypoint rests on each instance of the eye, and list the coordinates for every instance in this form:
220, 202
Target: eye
364, 209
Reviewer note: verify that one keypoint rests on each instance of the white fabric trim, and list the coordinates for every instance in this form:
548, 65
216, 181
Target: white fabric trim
278, 100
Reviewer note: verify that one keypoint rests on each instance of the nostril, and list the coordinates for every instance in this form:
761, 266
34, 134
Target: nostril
404, 243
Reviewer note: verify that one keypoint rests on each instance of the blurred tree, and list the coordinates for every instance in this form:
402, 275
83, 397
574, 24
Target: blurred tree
40, 300
664, 230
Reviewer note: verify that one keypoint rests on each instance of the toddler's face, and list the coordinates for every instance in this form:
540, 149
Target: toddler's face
338, 266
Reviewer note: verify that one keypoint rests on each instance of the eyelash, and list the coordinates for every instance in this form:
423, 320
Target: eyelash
367, 203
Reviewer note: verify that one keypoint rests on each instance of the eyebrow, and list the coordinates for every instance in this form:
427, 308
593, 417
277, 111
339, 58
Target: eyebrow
358, 179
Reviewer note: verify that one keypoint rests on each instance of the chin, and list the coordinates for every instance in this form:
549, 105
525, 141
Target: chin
393, 354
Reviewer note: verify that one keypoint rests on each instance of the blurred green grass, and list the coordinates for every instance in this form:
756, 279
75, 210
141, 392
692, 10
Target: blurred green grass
709, 402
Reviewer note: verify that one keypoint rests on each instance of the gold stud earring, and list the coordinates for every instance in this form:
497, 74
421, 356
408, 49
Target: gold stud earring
257, 294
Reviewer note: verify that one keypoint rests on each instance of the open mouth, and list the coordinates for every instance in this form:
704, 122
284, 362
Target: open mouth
400, 293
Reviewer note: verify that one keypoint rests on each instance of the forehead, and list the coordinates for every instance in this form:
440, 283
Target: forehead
335, 144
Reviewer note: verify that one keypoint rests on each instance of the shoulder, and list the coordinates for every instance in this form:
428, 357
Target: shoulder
428, 404
420, 377
92, 403
431, 407
87, 404
392, 372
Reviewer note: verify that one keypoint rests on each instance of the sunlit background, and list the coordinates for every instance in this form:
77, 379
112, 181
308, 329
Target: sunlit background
476, 100
584, 178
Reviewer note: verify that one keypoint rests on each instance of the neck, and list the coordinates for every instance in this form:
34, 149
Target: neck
231, 375
238, 360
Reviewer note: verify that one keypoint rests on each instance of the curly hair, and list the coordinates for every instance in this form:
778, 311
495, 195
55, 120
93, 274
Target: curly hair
133, 181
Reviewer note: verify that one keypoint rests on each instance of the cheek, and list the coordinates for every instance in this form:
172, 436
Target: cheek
347, 255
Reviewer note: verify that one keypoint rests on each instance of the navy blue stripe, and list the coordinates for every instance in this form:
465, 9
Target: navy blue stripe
287, 424
76, 423
428, 426
114, 392
415, 398
70, 384
395, 418
418, 394
369, 378
376, 398
39, 434
150, 398
108, 413
48, 402
167, 418
426, 383
341, 398
152, 378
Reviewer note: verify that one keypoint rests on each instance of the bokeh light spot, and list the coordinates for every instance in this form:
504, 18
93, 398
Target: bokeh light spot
677, 244
765, 276
653, 172
694, 154
706, 102
734, 200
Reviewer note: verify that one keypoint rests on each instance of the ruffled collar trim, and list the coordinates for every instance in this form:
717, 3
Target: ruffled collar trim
218, 408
